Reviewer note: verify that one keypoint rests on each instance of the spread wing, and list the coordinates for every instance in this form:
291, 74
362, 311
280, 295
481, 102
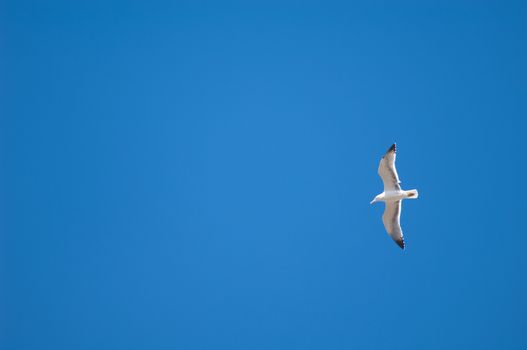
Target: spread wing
387, 171
392, 222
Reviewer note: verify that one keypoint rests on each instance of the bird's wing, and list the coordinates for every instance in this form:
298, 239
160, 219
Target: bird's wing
387, 171
392, 222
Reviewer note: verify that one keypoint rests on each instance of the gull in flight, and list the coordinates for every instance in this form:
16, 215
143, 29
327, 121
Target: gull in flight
392, 196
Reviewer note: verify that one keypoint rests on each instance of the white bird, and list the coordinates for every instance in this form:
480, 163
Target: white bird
392, 196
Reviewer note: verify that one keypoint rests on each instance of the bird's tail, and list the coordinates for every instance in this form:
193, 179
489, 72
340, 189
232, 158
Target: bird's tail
412, 194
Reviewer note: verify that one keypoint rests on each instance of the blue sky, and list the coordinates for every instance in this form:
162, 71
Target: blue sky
197, 175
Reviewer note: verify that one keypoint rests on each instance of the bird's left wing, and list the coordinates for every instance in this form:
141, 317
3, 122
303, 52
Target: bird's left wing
392, 222
387, 170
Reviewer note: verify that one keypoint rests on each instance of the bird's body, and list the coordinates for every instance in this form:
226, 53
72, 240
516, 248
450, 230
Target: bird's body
392, 196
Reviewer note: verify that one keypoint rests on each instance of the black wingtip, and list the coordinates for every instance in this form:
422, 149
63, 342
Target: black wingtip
400, 243
393, 148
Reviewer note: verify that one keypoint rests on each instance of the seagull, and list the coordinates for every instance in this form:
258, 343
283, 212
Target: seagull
392, 196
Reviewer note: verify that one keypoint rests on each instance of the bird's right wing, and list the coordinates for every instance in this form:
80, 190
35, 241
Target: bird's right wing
392, 222
387, 171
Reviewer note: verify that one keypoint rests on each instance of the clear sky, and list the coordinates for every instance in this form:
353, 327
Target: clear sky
197, 175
